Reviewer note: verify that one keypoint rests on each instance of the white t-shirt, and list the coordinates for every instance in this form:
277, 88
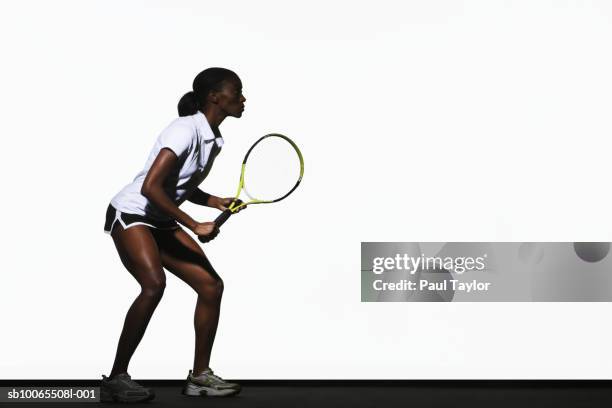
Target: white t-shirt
195, 145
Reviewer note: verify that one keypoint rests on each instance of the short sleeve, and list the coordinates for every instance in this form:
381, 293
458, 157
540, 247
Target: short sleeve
178, 138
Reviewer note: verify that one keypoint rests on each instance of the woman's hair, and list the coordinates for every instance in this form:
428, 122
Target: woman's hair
208, 80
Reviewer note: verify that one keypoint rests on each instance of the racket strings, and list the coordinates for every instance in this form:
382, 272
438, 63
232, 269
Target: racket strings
272, 170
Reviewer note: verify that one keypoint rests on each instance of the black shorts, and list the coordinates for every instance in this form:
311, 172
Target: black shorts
129, 220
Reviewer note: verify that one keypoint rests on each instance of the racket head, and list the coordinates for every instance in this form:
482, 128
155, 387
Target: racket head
272, 169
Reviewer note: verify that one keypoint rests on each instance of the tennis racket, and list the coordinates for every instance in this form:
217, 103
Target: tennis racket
271, 170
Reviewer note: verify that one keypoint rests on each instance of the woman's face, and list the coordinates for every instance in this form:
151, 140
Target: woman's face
230, 98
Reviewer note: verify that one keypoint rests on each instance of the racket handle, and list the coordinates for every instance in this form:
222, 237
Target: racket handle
220, 220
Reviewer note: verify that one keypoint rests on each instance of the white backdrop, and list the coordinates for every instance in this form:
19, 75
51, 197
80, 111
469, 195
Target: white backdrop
419, 121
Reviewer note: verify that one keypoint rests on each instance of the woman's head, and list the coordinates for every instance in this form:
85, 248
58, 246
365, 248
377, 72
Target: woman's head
218, 87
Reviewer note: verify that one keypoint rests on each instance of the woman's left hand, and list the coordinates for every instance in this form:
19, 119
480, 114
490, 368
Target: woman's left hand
222, 204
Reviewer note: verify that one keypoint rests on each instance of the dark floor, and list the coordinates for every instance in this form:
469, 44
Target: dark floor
354, 394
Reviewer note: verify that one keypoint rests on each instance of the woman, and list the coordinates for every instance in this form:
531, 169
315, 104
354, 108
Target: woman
142, 220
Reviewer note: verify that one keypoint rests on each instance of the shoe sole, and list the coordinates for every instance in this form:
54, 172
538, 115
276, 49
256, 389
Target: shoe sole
193, 390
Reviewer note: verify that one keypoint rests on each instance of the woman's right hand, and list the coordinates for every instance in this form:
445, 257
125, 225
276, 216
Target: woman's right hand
206, 231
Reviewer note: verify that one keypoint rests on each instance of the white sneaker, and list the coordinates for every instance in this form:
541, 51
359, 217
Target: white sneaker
209, 384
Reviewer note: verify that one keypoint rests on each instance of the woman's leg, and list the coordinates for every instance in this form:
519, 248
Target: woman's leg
140, 255
184, 257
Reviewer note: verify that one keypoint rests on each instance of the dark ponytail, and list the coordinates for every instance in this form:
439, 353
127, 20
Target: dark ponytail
206, 81
188, 105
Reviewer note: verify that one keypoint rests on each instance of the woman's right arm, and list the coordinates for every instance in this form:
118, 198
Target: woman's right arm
152, 189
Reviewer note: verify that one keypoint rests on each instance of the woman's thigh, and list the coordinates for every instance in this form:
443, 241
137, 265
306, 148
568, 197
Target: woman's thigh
183, 256
139, 254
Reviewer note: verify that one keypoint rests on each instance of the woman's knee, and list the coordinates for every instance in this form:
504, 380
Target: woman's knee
153, 287
212, 288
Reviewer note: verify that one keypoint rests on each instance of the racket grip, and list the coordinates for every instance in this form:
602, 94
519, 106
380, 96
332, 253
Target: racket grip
220, 220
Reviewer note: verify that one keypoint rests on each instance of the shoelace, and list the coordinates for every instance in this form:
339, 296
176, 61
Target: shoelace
215, 377
128, 380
